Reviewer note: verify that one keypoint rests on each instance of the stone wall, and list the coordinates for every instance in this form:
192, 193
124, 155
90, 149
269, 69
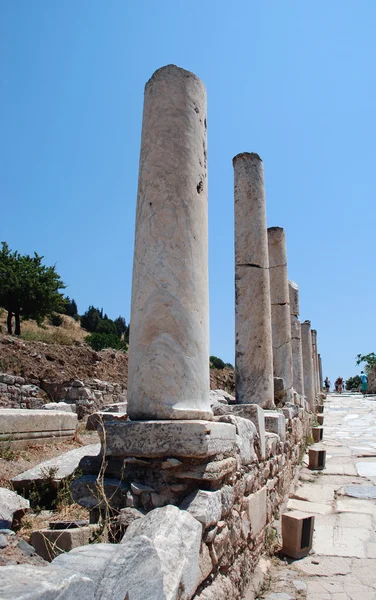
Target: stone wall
87, 395
16, 393
234, 493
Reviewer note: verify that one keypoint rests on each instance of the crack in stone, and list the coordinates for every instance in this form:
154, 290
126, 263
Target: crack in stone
251, 265
277, 266
279, 303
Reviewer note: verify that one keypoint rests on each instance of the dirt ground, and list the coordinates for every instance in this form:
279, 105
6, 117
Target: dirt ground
19, 550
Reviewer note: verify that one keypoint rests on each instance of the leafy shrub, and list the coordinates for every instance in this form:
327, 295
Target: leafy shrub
229, 366
100, 341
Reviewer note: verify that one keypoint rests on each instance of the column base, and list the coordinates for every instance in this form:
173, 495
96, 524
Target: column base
153, 439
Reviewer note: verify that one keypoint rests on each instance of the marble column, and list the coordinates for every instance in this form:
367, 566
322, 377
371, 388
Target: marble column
169, 337
280, 306
309, 387
296, 339
315, 362
253, 335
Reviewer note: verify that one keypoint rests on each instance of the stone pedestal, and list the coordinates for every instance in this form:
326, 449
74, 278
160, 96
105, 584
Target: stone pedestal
280, 307
253, 351
309, 388
169, 339
296, 340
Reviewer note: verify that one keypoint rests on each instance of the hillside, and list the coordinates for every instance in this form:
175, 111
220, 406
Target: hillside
59, 354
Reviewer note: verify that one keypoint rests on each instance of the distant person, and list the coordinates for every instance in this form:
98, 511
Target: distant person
364, 380
339, 385
327, 384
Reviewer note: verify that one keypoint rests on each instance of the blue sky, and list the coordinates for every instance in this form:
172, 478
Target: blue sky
291, 80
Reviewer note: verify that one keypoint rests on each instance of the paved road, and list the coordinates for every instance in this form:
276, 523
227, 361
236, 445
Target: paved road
342, 565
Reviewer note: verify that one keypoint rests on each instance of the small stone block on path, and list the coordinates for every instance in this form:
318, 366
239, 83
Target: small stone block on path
297, 534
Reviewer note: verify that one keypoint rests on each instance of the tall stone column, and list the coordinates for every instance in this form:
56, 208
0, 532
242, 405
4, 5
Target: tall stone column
169, 339
309, 386
315, 362
296, 339
253, 333
320, 371
280, 305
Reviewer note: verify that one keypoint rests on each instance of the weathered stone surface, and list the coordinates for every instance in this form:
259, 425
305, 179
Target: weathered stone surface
309, 387
257, 510
253, 353
245, 435
275, 422
168, 376
296, 339
254, 413
25, 582
271, 444
361, 491
280, 306
169, 438
204, 506
12, 506
23, 426
56, 469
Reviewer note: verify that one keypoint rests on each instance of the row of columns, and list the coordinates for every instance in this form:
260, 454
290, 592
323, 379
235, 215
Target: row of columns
168, 374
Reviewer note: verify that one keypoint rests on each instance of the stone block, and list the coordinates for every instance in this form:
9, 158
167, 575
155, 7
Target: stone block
204, 506
26, 582
12, 507
275, 422
54, 470
257, 510
316, 459
254, 413
317, 434
24, 427
297, 534
320, 408
279, 388
193, 439
320, 419
49, 543
245, 435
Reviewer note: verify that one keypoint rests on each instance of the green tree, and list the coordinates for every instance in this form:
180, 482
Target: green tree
368, 359
70, 307
91, 319
353, 383
28, 289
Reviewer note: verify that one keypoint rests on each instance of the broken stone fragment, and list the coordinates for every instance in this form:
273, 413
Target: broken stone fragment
12, 508
54, 470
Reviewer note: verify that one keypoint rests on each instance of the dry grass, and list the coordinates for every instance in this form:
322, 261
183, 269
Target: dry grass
70, 332
33, 522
